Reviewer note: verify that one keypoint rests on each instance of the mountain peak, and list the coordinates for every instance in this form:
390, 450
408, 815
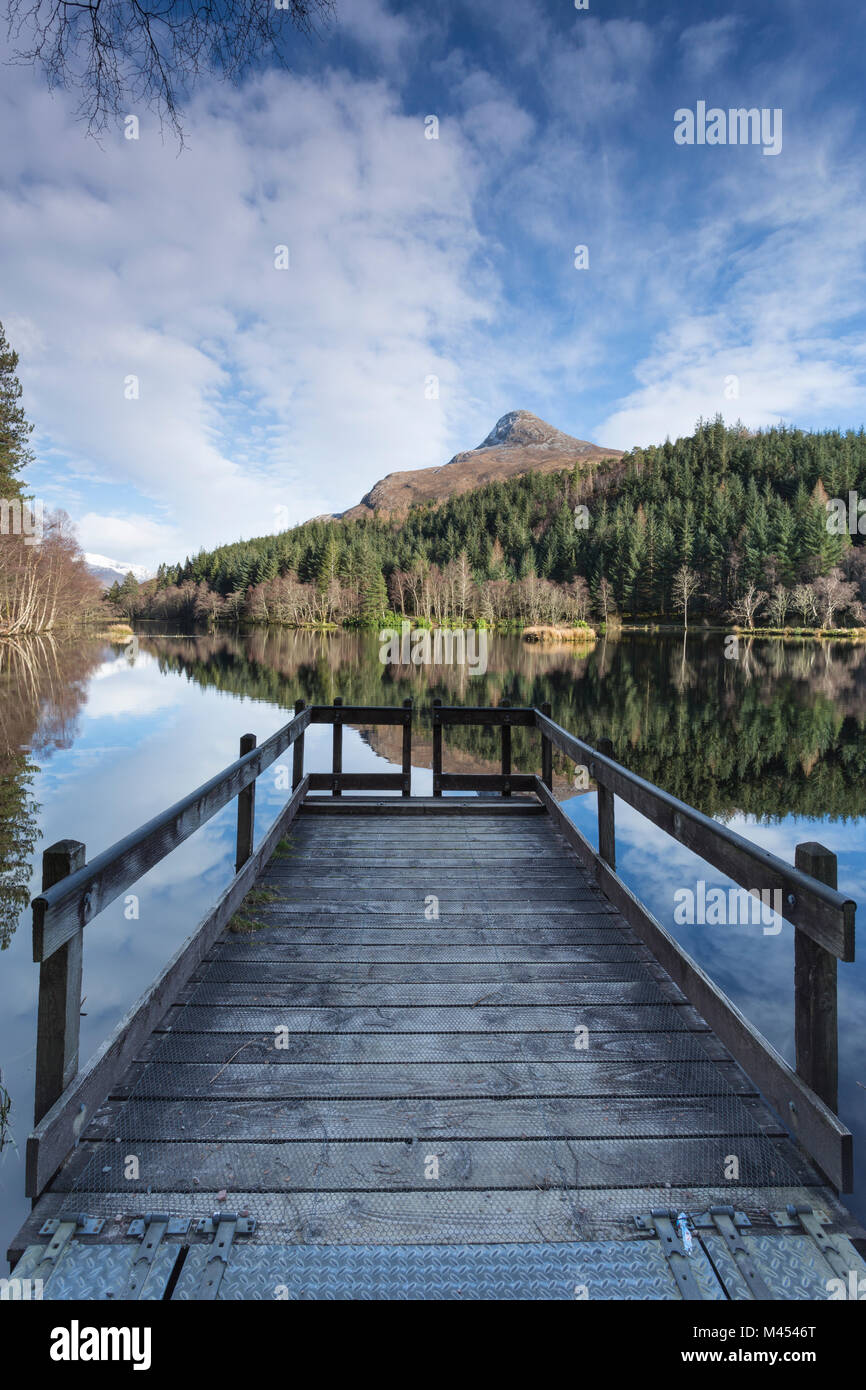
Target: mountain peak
518, 443
521, 427
107, 570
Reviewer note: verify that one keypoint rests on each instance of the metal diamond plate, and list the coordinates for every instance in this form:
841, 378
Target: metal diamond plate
99, 1272
622, 1270
790, 1264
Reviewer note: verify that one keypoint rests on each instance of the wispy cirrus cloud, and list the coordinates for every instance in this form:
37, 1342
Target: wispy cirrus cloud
705, 47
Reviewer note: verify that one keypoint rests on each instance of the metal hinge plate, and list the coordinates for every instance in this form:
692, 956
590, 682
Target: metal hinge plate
723, 1220
812, 1223
663, 1224
82, 1224
225, 1226
176, 1225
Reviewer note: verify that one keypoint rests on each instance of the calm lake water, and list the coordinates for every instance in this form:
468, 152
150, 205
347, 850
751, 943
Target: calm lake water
96, 739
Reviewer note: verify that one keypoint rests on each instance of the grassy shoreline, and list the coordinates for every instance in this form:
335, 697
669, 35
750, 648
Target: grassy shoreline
852, 634
541, 633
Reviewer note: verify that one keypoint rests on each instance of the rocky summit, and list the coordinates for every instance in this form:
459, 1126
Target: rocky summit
518, 443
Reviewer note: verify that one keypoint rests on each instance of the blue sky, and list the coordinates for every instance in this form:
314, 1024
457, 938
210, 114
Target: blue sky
268, 396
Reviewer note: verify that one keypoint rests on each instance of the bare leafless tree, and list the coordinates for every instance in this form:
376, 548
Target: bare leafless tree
835, 596
778, 604
116, 53
605, 601
805, 602
45, 587
745, 609
686, 585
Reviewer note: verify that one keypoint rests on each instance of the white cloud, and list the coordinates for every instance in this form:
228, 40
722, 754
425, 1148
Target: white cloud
766, 283
377, 30
129, 535
604, 71
706, 46
258, 388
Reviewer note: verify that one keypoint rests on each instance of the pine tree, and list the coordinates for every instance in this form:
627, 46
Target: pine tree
15, 429
372, 587
328, 561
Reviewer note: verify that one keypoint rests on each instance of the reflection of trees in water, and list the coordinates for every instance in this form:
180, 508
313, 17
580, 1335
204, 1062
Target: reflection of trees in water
779, 730
5, 1111
42, 684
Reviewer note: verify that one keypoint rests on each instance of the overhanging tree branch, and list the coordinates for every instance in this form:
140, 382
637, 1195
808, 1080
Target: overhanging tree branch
116, 53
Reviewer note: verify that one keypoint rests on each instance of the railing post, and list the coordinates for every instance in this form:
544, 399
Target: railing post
298, 751
437, 751
546, 753
59, 1017
606, 827
506, 747
816, 1033
338, 748
246, 810
407, 748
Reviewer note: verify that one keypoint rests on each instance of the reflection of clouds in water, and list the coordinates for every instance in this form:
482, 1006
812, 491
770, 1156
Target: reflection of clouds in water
121, 662
122, 689
173, 897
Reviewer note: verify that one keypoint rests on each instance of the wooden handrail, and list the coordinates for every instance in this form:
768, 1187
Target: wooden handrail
505, 717
61, 911
809, 1114
820, 911
337, 781
58, 1128
511, 715
338, 713
823, 921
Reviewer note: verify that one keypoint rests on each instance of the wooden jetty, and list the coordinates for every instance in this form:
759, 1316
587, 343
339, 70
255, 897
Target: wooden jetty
433, 1047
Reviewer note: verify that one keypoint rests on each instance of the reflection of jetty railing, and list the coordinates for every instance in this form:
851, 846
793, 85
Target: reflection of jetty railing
75, 892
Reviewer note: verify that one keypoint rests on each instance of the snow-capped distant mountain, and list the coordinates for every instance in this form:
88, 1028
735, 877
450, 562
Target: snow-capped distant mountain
108, 570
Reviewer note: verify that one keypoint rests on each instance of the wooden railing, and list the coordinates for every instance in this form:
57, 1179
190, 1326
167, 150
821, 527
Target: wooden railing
823, 920
75, 892
505, 718
337, 781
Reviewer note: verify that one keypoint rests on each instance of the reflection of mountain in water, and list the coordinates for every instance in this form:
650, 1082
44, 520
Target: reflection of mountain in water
42, 686
779, 730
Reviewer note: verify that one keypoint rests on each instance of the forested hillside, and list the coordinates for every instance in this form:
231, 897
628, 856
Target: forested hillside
733, 524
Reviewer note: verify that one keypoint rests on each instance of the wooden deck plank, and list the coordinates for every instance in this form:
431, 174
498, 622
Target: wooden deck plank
349, 1048
460, 900
485, 1165
262, 948
430, 1079
477, 918
317, 916
457, 994
448, 850
538, 1018
489, 973
312, 911
420, 936
427, 1118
